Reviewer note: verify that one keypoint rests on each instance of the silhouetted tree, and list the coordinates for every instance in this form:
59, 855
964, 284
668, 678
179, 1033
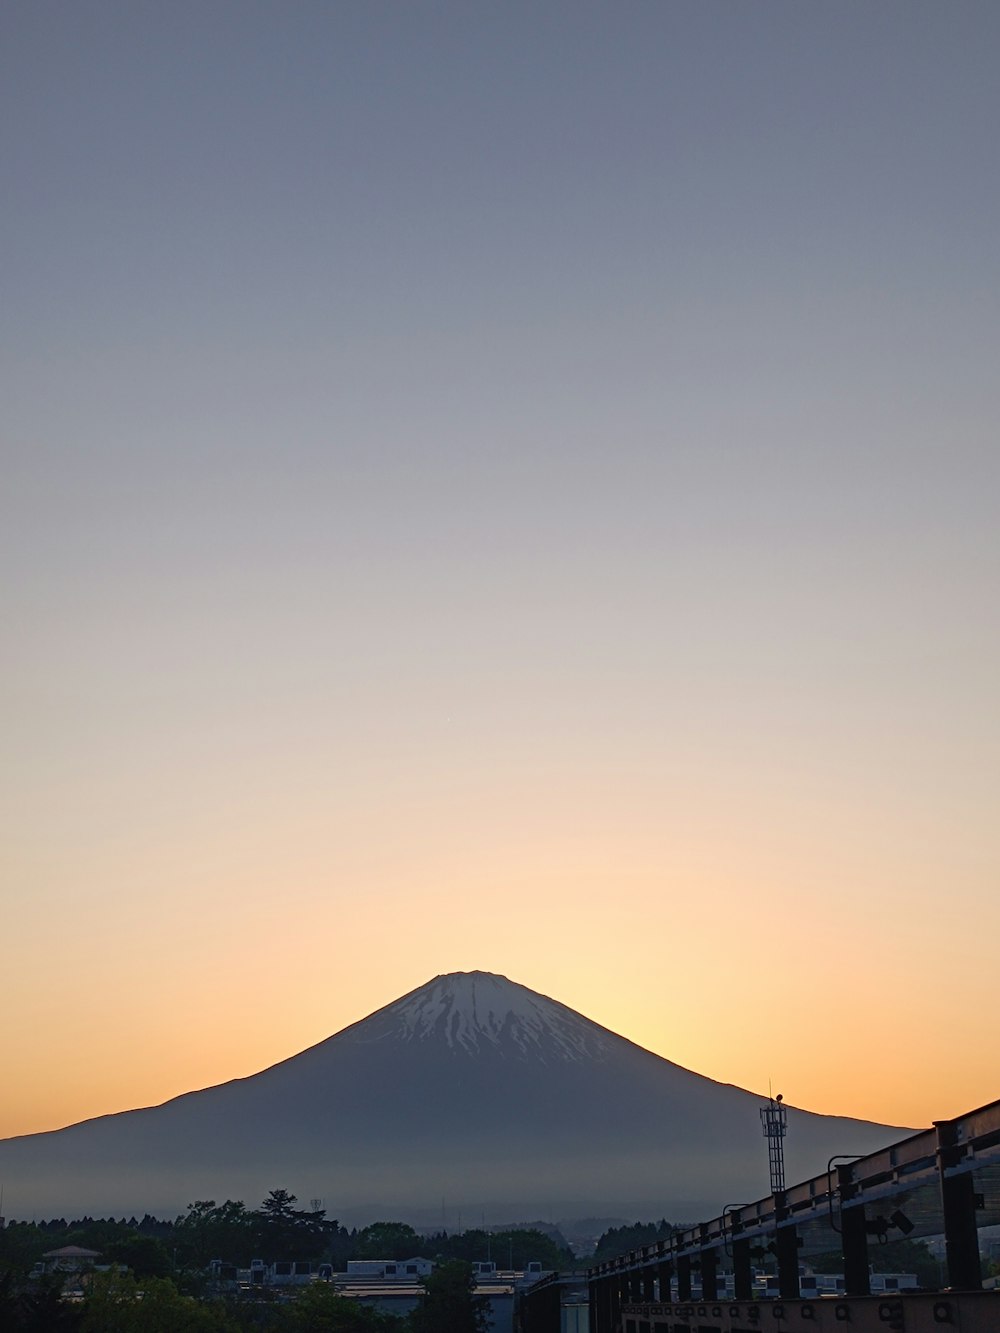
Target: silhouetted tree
210, 1231
22, 1244
387, 1240
620, 1240
283, 1231
450, 1303
144, 1255
117, 1303
513, 1248
43, 1309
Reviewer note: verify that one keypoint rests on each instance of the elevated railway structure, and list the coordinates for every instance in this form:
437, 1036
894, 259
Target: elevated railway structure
941, 1186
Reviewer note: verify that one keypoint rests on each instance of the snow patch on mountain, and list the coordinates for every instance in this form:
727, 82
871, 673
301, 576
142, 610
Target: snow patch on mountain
475, 1011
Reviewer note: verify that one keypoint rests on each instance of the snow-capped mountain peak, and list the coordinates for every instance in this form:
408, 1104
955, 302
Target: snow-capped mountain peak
479, 1011
470, 1087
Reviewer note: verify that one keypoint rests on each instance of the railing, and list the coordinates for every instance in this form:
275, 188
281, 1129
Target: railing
939, 1161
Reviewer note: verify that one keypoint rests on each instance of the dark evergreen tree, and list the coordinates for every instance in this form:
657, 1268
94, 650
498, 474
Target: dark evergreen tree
283, 1231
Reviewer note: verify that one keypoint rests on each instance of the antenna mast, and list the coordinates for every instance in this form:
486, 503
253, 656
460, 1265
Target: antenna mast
774, 1121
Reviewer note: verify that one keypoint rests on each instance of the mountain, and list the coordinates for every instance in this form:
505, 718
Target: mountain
472, 1093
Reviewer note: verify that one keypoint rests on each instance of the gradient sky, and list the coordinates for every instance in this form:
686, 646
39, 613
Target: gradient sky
506, 486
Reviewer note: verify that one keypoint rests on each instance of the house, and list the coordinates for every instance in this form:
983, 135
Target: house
69, 1259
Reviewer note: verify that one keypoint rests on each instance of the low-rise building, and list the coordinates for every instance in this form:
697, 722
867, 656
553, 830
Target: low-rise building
398, 1270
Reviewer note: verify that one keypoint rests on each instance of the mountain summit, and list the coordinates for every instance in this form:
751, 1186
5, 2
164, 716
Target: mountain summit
472, 1090
484, 1014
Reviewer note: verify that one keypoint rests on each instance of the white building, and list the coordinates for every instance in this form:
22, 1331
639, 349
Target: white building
400, 1270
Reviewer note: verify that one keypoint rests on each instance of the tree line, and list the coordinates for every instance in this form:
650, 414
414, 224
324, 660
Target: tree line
159, 1284
276, 1230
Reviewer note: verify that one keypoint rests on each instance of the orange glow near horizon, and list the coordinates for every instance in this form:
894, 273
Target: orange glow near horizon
489, 504
721, 969
747, 925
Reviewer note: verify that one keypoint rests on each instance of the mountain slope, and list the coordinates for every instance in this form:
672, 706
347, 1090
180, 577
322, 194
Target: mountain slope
470, 1089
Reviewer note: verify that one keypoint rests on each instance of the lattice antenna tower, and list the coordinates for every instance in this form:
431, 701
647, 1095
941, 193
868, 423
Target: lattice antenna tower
774, 1120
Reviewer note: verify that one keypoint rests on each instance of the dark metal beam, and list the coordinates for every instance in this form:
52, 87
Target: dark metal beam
786, 1242
853, 1236
664, 1273
742, 1268
684, 1277
958, 1202
709, 1275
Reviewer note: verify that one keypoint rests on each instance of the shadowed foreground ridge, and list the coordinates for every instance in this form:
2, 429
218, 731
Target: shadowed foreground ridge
471, 1089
